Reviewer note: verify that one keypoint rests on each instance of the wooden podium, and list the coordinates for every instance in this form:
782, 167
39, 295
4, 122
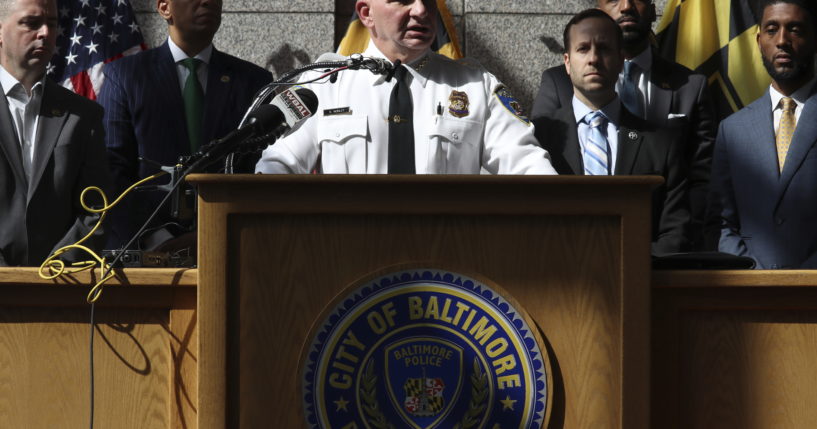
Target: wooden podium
274, 251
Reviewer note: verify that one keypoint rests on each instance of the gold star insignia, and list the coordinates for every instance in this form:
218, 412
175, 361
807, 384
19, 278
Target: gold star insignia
341, 404
507, 403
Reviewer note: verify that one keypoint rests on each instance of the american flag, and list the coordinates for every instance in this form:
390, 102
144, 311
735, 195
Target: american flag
91, 34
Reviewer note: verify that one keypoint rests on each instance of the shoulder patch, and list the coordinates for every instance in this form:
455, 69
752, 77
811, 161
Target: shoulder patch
507, 99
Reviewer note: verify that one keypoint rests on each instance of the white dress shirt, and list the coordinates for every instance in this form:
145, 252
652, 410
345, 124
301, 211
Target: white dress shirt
25, 112
800, 96
612, 111
179, 55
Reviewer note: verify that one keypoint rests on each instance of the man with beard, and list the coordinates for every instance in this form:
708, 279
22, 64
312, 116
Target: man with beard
664, 93
434, 116
764, 172
169, 101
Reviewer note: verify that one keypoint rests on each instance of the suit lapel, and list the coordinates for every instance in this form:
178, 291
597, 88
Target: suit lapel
9, 143
52, 118
805, 134
219, 84
629, 142
571, 151
761, 128
660, 93
167, 79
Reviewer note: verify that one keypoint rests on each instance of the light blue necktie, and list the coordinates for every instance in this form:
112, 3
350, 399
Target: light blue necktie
630, 94
596, 150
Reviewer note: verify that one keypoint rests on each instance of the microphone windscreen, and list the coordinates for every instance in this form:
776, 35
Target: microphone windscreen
265, 118
309, 98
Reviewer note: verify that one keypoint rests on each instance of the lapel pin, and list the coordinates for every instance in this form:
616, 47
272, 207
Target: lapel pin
633, 135
225, 78
56, 112
664, 85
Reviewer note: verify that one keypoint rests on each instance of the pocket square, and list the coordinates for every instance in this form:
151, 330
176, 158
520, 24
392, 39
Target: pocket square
676, 115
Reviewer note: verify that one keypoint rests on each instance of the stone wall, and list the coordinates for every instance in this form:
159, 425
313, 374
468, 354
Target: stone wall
515, 39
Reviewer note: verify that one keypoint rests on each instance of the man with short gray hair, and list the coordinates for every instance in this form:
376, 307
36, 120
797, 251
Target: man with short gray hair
51, 143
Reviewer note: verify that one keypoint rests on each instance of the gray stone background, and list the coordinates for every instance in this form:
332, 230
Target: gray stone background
515, 39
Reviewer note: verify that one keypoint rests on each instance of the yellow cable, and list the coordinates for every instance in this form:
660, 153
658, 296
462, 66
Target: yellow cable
57, 267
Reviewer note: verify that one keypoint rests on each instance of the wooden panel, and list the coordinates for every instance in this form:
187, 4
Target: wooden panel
573, 250
749, 369
575, 304
45, 356
144, 350
734, 349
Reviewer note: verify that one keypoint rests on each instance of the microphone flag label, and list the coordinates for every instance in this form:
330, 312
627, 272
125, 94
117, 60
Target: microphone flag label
423, 349
293, 107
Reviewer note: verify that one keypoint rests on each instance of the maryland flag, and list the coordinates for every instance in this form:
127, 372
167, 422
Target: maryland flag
356, 39
717, 39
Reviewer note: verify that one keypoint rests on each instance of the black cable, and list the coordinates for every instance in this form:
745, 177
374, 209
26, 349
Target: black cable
107, 272
93, 304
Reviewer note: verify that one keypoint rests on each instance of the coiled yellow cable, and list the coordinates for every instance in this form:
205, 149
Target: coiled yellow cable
57, 268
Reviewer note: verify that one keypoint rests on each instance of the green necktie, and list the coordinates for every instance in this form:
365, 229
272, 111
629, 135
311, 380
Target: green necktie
193, 103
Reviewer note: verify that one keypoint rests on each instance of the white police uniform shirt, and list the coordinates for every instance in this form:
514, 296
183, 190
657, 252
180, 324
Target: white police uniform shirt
464, 120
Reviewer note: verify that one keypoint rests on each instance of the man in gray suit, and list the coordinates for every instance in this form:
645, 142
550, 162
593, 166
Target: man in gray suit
51, 143
666, 94
764, 172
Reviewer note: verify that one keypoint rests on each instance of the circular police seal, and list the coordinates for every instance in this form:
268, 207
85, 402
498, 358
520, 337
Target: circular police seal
424, 349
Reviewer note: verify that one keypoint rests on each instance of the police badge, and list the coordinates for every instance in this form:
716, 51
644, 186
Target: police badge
425, 349
458, 104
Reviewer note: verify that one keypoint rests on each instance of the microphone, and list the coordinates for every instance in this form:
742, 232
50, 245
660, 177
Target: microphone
286, 110
356, 62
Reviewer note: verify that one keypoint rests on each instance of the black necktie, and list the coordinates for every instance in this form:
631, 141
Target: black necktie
401, 127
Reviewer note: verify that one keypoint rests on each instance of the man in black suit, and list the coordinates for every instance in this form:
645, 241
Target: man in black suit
594, 134
664, 93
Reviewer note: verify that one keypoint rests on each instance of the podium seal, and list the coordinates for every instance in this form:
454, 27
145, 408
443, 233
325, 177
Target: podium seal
424, 349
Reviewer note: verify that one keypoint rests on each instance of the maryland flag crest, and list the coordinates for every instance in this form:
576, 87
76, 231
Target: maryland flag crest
356, 39
716, 38
424, 396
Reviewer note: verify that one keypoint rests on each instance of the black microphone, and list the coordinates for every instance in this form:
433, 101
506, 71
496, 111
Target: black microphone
268, 120
377, 65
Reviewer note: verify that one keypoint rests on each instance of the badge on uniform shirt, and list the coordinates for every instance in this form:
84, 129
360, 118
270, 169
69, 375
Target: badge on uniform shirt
504, 96
458, 104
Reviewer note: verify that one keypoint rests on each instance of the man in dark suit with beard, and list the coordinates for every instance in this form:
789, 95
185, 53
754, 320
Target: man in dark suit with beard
764, 173
666, 94
595, 134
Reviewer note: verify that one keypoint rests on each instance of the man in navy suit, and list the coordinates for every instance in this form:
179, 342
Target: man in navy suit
155, 110
662, 92
595, 134
764, 172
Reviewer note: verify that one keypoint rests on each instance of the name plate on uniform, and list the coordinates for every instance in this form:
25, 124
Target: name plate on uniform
425, 349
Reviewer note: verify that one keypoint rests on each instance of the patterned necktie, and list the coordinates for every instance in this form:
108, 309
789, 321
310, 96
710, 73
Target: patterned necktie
596, 150
193, 97
785, 130
401, 127
630, 94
